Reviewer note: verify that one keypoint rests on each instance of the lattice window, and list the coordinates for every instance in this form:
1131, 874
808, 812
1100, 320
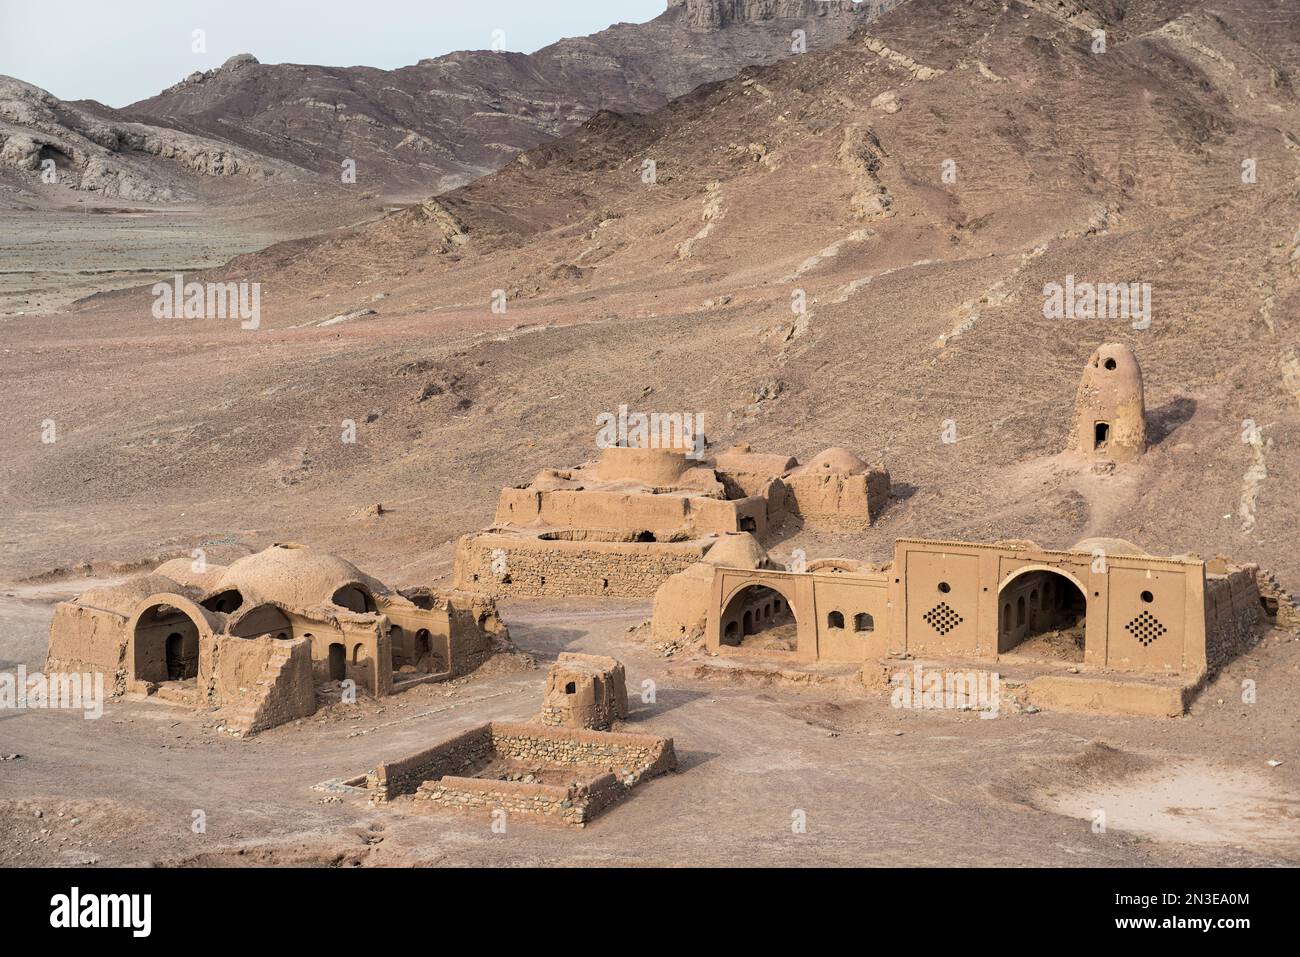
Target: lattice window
942, 618
1146, 628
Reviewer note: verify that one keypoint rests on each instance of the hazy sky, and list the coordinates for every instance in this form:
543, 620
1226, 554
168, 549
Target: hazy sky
120, 51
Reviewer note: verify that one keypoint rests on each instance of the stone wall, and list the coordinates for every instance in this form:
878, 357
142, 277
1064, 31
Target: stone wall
1233, 614
633, 756
443, 774
629, 758
546, 801
282, 690
1278, 602
531, 567
467, 750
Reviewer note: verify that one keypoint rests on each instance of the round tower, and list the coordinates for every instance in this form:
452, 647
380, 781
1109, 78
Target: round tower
1109, 409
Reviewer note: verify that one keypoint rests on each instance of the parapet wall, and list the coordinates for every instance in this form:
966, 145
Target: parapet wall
533, 567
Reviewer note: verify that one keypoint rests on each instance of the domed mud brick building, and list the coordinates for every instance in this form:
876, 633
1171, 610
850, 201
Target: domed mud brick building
620, 526
255, 638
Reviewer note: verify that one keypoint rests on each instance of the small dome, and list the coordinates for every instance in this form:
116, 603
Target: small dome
1108, 546
736, 550
124, 597
835, 461
182, 570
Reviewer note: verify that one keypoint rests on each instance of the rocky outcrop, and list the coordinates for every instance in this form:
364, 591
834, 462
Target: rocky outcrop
716, 14
61, 144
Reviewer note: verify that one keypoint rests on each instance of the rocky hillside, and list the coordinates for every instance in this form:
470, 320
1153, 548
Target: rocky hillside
849, 247
46, 141
443, 122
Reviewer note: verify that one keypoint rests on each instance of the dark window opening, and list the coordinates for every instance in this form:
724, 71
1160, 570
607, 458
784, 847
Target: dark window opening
1101, 435
338, 662
571, 688
835, 620
863, 622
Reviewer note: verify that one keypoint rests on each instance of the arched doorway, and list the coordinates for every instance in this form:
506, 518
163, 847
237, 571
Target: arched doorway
166, 645
1049, 619
338, 662
757, 617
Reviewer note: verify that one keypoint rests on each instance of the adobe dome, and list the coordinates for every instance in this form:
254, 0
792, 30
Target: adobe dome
124, 597
835, 461
182, 570
736, 550
296, 576
648, 466
1108, 546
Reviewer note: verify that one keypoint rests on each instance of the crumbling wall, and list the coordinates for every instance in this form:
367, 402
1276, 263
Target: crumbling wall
543, 801
88, 640
585, 691
1233, 614
837, 502
633, 757
1277, 601
274, 681
476, 631
515, 566
467, 750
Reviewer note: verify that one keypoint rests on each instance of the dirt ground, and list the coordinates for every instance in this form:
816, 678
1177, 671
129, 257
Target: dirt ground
875, 785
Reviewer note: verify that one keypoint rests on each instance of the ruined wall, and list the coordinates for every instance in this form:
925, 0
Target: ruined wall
632, 756
663, 514
88, 640
568, 805
1233, 614
262, 682
530, 567
403, 776
477, 631
837, 502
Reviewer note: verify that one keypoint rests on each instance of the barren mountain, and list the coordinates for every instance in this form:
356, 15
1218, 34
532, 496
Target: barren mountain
443, 122
45, 142
918, 186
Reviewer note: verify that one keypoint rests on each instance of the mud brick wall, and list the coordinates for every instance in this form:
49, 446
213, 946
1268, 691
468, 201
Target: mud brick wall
545, 801
1233, 614
838, 502
88, 640
290, 689
641, 755
535, 568
404, 776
